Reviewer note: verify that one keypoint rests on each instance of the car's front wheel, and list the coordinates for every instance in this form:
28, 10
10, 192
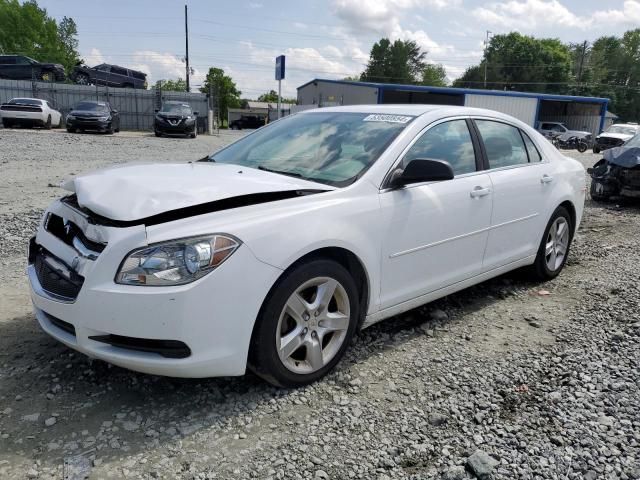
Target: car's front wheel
596, 150
305, 325
554, 247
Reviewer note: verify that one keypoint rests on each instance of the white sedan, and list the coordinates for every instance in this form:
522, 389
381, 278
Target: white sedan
272, 252
29, 112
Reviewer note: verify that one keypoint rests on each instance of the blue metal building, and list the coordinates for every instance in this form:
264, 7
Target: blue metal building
579, 113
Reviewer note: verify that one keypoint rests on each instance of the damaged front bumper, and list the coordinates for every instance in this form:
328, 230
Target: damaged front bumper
610, 180
201, 329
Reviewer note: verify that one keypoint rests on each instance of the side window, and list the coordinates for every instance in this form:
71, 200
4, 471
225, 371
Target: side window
503, 144
448, 141
558, 128
22, 61
119, 71
534, 154
103, 68
7, 60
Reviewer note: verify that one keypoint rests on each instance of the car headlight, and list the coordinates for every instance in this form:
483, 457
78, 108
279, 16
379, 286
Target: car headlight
70, 117
105, 118
158, 117
176, 262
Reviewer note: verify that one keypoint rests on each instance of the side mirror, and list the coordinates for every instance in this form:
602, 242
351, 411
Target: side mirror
114, 111
195, 113
422, 170
156, 110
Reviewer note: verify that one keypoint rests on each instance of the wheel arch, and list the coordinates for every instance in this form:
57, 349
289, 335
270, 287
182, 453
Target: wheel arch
572, 213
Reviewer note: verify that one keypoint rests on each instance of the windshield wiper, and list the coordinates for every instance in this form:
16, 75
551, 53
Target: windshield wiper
281, 172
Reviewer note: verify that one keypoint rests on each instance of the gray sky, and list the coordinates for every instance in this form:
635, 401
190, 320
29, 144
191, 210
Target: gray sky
321, 38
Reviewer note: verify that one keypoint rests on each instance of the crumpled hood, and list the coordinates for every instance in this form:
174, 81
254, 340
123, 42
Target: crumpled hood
619, 136
134, 192
627, 157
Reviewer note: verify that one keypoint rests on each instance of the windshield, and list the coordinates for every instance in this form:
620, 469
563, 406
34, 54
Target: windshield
335, 148
634, 142
177, 108
622, 129
25, 101
92, 107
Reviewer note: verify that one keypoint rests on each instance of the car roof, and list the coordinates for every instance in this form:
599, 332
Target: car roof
414, 110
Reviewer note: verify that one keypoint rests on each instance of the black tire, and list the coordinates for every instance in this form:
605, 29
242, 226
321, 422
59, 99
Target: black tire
582, 147
109, 130
5, 123
47, 76
264, 360
194, 134
595, 196
47, 124
71, 130
596, 150
540, 270
158, 134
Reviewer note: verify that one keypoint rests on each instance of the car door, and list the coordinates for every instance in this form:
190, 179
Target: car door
522, 184
434, 234
9, 68
102, 74
119, 76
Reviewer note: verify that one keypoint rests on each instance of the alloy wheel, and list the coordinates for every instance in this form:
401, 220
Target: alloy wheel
313, 325
557, 244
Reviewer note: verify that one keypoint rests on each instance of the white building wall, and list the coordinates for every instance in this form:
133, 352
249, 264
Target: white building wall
522, 108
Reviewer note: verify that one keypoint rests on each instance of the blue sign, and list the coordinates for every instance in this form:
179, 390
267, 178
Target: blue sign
280, 67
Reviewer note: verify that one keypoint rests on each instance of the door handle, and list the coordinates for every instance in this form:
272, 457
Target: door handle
546, 179
480, 192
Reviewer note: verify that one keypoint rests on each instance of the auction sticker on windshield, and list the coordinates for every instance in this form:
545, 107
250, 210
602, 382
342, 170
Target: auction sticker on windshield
377, 117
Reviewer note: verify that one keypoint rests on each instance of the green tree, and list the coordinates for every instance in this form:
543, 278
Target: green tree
520, 62
272, 97
27, 29
179, 85
434, 75
224, 90
397, 62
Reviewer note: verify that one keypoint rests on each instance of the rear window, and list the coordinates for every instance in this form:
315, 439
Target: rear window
25, 101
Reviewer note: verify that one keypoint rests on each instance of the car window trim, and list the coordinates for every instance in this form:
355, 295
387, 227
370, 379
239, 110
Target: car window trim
387, 177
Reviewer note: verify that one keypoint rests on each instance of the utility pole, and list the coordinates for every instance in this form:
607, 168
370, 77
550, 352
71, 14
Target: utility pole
486, 44
584, 52
186, 41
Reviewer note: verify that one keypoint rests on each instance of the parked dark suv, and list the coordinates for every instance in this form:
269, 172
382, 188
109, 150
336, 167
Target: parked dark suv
176, 118
19, 67
109, 75
247, 121
91, 115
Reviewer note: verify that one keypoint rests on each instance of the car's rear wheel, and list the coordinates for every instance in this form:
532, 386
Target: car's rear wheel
47, 124
82, 79
596, 150
554, 247
582, 146
305, 325
47, 76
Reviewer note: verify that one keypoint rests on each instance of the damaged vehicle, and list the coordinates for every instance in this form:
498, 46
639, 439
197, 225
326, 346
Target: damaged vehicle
615, 136
271, 253
618, 173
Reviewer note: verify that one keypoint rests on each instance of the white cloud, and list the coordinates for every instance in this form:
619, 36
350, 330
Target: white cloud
255, 5
94, 57
535, 14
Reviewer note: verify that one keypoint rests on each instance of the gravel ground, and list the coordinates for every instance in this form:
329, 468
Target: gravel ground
505, 380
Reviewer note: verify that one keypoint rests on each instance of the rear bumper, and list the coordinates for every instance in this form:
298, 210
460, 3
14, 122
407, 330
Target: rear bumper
23, 117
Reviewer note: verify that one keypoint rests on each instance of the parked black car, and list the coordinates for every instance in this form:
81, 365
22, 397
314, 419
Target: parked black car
618, 173
95, 116
109, 75
176, 118
247, 121
19, 67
